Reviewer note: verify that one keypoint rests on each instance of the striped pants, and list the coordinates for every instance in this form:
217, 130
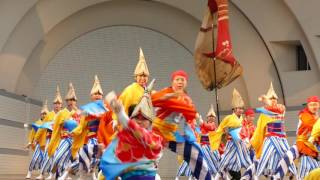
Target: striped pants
184, 170
235, 157
307, 164
274, 149
250, 172
47, 161
194, 156
87, 156
36, 160
62, 156
212, 159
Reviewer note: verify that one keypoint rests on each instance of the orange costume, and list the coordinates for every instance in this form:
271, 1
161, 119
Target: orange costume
164, 124
106, 130
181, 103
175, 108
306, 122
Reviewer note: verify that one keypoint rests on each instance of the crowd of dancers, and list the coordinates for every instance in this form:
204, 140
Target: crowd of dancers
123, 135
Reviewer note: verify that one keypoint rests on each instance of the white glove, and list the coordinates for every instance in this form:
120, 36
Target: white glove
201, 120
114, 103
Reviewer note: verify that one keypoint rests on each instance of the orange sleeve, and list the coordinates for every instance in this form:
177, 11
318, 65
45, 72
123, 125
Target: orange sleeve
307, 118
173, 104
105, 130
304, 149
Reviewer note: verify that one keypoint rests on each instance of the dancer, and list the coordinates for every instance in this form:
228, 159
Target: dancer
85, 143
45, 132
37, 156
175, 109
135, 152
60, 143
212, 157
269, 140
306, 143
236, 154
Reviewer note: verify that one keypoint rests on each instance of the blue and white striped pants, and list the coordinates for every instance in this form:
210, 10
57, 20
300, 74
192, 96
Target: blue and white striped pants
307, 164
250, 172
87, 156
235, 157
184, 170
212, 159
47, 161
194, 156
62, 155
36, 160
274, 149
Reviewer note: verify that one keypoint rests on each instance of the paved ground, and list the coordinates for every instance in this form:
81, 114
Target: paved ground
22, 176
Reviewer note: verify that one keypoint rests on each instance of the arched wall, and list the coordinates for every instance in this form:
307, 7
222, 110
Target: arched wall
244, 37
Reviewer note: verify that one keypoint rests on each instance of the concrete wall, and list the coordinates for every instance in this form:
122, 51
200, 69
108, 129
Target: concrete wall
251, 85
33, 35
15, 111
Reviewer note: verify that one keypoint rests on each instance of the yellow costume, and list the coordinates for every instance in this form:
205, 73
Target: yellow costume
33, 132
82, 133
230, 121
58, 130
41, 134
132, 94
236, 154
38, 123
313, 175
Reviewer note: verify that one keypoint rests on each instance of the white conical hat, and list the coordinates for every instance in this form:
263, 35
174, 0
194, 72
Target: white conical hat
141, 67
96, 88
71, 93
211, 111
45, 107
58, 98
145, 106
271, 93
237, 100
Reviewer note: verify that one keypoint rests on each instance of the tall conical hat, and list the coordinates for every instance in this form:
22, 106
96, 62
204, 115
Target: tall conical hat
211, 111
141, 67
58, 98
45, 107
145, 107
237, 100
271, 93
96, 88
71, 93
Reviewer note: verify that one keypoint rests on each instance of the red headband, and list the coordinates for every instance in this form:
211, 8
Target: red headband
313, 99
179, 73
249, 112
